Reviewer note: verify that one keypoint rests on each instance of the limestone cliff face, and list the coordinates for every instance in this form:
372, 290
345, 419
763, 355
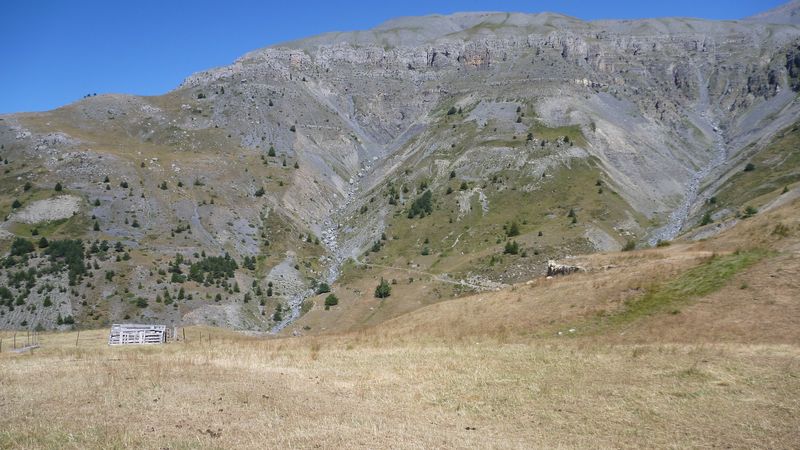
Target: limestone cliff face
675, 75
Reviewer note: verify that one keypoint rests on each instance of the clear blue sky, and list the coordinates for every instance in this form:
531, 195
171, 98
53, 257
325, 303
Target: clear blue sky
54, 52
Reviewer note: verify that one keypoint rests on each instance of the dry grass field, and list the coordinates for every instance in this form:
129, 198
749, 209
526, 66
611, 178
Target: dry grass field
691, 345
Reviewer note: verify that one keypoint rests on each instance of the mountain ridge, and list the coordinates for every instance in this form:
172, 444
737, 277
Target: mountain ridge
314, 158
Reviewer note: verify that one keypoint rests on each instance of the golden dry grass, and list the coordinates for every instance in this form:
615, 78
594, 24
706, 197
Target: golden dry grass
336, 392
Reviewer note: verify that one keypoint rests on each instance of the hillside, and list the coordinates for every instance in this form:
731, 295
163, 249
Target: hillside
450, 155
688, 345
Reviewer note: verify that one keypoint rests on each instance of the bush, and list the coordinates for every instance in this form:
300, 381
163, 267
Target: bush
58, 187
512, 230
323, 288
383, 289
630, 245
749, 167
512, 248
421, 206
331, 300
141, 303
271, 151
750, 212
16, 204
706, 219
43, 242
260, 192
21, 247
452, 111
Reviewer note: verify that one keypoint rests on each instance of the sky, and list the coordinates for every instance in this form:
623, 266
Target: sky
55, 52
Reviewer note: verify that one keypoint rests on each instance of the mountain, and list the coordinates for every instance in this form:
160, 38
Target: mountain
462, 152
788, 13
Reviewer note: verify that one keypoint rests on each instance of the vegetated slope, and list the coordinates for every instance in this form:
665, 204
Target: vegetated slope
646, 348
739, 286
580, 136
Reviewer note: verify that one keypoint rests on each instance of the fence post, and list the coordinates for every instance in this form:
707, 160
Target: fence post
77, 337
15, 340
183, 330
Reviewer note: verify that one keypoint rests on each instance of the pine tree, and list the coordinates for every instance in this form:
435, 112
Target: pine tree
383, 289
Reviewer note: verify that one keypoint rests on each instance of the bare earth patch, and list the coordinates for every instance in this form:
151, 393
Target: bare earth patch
56, 208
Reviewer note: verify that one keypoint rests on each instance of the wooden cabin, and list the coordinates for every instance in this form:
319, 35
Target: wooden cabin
131, 333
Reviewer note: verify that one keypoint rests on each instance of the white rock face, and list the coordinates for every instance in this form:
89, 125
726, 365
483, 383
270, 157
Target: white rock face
61, 207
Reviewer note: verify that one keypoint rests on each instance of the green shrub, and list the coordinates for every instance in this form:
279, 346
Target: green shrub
323, 288
21, 247
421, 206
512, 248
383, 289
331, 300
512, 230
